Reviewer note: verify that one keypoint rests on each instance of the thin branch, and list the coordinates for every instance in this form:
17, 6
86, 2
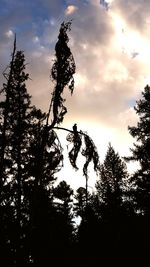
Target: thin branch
49, 111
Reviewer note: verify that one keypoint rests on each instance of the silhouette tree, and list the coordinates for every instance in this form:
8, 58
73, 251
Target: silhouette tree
6, 211
14, 123
113, 176
141, 152
18, 119
140, 180
109, 202
62, 73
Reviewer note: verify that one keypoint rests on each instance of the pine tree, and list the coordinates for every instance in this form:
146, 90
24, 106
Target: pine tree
113, 175
11, 136
111, 192
6, 210
109, 203
141, 153
140, 180
18, 119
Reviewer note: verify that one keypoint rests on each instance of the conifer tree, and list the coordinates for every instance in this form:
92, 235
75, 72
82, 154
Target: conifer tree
18, 119
6, 210
141, 153
110, 206
112, 184
11, 137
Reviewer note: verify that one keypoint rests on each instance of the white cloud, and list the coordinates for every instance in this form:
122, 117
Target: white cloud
9, 33
35, 39
71, 9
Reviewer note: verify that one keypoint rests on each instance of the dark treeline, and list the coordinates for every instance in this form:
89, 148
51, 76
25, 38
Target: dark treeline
37, 218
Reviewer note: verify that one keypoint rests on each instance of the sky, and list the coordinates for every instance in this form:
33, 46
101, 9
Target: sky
110, 41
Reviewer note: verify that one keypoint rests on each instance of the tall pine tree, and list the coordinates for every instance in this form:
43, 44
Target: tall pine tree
18, 121
113, 175
141, 179
141, 153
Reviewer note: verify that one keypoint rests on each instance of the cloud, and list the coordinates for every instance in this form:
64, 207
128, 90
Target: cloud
136, 13
9, 33
107, 76
71, 9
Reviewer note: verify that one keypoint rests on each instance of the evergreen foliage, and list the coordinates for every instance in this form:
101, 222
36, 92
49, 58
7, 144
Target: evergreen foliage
141, 152
113, 176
